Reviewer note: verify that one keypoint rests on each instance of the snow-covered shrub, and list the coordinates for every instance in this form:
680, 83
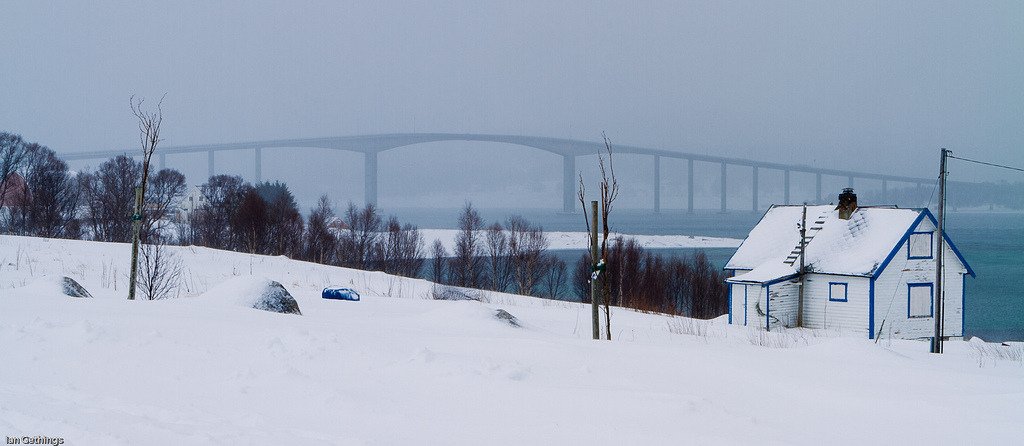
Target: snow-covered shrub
446, 292
989, 353
695, 327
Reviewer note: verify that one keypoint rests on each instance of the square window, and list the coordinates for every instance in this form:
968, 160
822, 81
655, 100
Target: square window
837, 291
919, 300
920, 245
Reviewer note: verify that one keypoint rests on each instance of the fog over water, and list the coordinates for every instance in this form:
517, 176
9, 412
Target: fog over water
868, 86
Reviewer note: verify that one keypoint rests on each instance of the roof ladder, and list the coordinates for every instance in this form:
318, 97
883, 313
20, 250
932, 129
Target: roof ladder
812, 230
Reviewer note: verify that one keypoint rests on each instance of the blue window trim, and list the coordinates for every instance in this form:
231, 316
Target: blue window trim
846, 292
931, 245
925, 213
768, 308
931, 291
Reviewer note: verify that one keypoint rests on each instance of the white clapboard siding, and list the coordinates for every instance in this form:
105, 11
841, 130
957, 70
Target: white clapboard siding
850, 316
784, 299
891, 298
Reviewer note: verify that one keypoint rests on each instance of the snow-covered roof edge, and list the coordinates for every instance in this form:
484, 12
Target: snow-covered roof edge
924, 212
877, 270
738, 248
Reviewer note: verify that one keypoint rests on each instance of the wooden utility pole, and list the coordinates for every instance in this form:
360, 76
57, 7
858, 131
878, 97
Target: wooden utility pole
136, 230
594, 271
803, 253
939, 307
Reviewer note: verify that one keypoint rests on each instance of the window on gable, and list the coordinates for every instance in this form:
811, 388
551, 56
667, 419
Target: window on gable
837, 291
919, 300
920, 245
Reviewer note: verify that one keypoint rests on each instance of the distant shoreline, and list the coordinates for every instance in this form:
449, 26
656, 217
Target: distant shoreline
562, 240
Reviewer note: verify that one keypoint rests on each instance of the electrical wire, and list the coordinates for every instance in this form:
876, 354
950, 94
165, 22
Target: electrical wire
986, 163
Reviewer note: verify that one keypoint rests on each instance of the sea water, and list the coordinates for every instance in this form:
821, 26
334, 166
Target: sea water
991, 242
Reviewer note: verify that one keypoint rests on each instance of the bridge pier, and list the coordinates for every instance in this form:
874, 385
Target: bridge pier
849, 182
754, 204
163, 161
817, 186
689, 186
370, 178
568, 184
209, 162
657, 184
723, 188
885, 189
258, 163
785, 186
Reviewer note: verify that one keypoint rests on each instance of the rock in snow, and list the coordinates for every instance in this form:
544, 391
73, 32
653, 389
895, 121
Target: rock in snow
277, 299
503, 315
72, 288
254, 292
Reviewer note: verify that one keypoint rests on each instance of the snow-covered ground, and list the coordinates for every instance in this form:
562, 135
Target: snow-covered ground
578, 240
399, 368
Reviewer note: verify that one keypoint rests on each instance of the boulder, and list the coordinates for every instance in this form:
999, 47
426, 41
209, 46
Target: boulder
275, 298
503, 315
71, 288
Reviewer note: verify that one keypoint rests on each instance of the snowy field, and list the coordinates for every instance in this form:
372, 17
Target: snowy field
400, 368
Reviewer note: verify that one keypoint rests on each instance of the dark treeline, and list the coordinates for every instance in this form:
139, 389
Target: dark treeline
508, 257
40, 196
636, 278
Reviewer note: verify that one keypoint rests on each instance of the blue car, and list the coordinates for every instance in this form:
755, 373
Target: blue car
340, 293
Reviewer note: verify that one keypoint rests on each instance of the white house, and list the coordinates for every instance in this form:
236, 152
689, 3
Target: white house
869, 270
193, 200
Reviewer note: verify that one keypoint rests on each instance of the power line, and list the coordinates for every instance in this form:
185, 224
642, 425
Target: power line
987, 164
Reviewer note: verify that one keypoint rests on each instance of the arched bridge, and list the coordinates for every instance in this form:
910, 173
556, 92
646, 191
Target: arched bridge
569, 149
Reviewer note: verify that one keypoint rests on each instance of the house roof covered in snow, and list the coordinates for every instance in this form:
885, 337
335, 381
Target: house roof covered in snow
860, 246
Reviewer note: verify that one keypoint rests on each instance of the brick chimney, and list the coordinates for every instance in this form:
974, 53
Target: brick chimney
847, 203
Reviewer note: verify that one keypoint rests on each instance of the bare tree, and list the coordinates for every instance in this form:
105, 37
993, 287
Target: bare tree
609, 190
498, 258
320, 241
527, 247
554, 277
210, 224
164, 191
250, 223
358, 242
581, 277
107, 197
51, 199
149, 137
466, 265
160, 272
12, 155
400, 251
439, 255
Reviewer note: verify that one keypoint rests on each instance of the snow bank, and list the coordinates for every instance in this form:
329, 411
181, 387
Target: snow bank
254, 292
398, 367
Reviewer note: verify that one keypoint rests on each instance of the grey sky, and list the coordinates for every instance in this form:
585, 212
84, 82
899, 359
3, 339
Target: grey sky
876, 86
